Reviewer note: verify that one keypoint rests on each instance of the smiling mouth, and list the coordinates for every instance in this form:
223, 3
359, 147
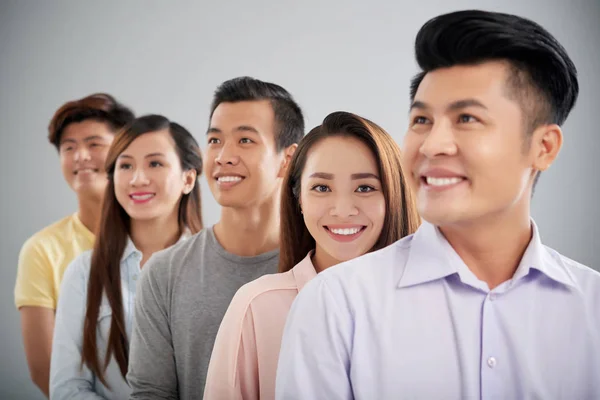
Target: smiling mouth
227, 181
142, 198
442, 182
345, 234
86, 171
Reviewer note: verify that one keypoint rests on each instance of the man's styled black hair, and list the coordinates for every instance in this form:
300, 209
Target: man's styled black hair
289, 121
543, 79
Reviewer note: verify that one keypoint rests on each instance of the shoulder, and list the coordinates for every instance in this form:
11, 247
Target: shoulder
51, 234
79, 268
583, 277
164, 267
266, 286
172, 258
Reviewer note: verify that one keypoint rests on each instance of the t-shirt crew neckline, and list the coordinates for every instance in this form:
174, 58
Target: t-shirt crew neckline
260, 258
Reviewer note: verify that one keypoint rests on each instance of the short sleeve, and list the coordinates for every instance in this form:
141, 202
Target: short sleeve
34, 285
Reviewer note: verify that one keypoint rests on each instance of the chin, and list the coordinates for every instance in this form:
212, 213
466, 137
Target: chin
231, 203
444, 218
90, 191
233, 200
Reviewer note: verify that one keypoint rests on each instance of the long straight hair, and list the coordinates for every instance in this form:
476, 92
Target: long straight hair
401, 216
111, 240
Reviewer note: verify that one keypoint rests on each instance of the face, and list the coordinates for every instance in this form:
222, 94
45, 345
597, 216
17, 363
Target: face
466, 148
149, 181
341, 199
242, 165
83, 148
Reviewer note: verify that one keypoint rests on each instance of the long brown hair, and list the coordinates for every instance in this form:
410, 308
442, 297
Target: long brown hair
401, 217
111, 240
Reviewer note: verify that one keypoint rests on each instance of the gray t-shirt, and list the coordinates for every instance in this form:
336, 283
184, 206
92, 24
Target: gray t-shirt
182, 296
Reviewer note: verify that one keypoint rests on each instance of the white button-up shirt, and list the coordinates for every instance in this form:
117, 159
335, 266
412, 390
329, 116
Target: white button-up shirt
411, 321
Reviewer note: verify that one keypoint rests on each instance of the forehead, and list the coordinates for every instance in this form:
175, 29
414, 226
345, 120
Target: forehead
257, 114
486, 82
341, 156
84, 129
151, 142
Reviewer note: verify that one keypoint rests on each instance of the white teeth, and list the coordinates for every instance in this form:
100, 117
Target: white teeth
443, 181
229, 178
346, 231
142, 197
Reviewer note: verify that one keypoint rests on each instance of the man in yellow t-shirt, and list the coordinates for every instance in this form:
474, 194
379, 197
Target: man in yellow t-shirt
82, 132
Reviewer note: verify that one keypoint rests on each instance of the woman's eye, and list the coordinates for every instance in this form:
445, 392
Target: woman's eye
320, 188
365, 189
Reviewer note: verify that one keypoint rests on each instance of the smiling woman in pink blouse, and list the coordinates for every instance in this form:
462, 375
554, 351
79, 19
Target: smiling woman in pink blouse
344, 195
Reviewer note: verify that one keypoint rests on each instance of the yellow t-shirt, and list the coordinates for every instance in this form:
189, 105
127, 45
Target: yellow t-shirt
44, 258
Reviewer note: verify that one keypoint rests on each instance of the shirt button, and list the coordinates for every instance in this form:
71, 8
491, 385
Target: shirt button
135, 277
492, 296
491, 362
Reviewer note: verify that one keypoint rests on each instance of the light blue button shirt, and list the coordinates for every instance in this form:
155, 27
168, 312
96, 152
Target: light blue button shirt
68, 380
411, 321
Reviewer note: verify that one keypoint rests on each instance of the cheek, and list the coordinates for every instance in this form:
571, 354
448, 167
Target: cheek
121, 185
375, 211
171, 183
410, 147
313, 210
100, 157
208, 161
66, 163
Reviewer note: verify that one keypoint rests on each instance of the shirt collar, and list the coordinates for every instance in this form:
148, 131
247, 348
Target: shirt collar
427, 260
130, 249
431, 257
540, 258
304, 271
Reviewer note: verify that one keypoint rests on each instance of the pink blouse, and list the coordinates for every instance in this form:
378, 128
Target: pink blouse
244, 359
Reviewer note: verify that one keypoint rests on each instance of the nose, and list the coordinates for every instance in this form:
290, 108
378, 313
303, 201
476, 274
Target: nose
439, 141
139, 178
344, 206
82, 154
227, 155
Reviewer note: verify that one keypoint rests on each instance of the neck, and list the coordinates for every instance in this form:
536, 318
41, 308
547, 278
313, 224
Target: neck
322, 260
492, 249
154, 235
89, 212
250, 231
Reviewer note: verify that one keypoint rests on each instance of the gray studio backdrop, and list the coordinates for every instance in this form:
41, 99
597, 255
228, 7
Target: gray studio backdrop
168, 57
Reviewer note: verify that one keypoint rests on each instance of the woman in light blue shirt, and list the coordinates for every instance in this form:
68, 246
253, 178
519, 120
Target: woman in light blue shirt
152, 201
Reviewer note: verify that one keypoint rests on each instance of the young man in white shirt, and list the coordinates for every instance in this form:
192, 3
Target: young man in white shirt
473, 305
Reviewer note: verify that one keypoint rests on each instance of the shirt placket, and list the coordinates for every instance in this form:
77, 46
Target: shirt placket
492, 361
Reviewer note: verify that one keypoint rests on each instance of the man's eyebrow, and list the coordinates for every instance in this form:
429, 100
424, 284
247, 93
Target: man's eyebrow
460, 104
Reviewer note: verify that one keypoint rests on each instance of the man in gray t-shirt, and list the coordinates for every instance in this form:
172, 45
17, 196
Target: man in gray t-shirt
185, 290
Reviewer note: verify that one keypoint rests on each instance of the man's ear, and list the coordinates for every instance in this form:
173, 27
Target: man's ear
288, 153
546, 142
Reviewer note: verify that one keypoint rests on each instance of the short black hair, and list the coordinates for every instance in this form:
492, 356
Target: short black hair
543, 79
289, 120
